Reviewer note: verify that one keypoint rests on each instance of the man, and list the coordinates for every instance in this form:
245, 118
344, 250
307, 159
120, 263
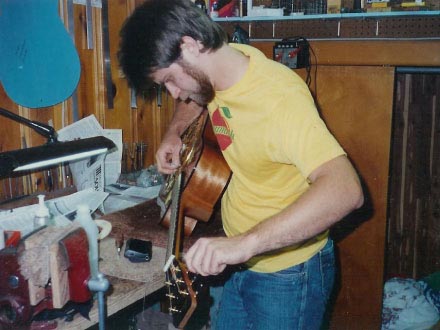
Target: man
291, 180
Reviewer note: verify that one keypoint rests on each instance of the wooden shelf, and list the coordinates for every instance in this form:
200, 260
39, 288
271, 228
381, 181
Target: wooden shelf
394, 25
331, 16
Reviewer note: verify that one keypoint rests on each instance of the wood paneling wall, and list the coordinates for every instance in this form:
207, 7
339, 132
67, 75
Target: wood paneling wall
340, 28
353, 82
143, 122
413, 248
359, 115
146, 122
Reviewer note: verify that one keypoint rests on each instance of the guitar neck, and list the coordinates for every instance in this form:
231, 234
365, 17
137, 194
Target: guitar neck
173, 235
185, 289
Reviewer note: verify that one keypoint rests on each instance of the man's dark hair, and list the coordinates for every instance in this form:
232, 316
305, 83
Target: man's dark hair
152, 35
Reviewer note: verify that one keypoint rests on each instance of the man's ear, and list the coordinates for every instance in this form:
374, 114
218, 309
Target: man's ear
191, 46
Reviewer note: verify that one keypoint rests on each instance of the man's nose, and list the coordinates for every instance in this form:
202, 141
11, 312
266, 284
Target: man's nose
173, 90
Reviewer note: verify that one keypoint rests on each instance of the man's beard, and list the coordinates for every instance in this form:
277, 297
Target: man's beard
206, 92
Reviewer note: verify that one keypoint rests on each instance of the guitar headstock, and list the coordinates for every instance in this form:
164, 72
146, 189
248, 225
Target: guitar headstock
183, 291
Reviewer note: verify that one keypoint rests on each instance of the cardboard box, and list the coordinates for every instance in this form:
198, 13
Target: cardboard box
333, 6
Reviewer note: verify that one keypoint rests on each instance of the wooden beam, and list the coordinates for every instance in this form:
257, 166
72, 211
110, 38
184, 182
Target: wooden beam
369, 52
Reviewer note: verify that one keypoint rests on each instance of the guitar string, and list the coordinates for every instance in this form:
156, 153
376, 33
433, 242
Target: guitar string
193, 130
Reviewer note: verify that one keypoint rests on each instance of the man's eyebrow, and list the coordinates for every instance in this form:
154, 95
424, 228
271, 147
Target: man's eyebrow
158, 81
158, 85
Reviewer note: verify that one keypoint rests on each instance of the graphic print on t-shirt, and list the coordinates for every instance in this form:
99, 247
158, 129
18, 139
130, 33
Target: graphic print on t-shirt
221, 128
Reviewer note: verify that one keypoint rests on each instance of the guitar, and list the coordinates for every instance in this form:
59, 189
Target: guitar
182, 287
185, 290
206, 175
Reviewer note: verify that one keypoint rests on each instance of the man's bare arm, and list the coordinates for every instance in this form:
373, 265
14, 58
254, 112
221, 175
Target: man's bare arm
335, 191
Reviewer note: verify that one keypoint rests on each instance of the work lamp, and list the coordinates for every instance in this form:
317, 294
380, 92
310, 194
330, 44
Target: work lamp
52, 152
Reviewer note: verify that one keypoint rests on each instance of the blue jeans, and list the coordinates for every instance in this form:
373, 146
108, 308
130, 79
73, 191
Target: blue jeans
291, 299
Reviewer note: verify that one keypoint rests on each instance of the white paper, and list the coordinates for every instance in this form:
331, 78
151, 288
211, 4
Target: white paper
113, 160
67, 205
84, 128
124, 196
21, 219
62, 210
116, 203
97, 171
89, 173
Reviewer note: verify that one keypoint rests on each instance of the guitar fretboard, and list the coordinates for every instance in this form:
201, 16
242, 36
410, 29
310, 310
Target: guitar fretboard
175, 201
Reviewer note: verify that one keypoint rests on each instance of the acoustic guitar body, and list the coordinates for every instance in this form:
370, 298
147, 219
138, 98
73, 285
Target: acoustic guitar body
205, 181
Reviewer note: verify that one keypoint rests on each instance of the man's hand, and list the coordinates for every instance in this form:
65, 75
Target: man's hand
168, 154
210, 256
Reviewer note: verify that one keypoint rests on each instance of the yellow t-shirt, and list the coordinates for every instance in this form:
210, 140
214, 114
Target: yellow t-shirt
272, 137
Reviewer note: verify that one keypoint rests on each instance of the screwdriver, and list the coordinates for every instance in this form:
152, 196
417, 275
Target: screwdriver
119, 242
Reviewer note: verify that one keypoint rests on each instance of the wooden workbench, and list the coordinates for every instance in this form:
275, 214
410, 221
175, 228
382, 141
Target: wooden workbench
130, 282
142, 222
123, 292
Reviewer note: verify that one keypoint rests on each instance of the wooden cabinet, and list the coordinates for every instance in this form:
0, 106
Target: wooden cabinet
353, 83
358, 112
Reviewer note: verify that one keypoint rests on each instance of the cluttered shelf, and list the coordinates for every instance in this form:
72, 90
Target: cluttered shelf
339, 16
355, 26
294, 9
316, 19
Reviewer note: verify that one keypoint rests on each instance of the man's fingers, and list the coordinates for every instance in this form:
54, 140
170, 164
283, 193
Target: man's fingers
167, 163
172, 160
203, 258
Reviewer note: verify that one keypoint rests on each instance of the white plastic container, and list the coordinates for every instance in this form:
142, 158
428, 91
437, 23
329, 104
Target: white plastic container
42, 215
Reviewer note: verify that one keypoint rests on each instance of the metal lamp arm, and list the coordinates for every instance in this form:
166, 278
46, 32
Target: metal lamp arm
43, 129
